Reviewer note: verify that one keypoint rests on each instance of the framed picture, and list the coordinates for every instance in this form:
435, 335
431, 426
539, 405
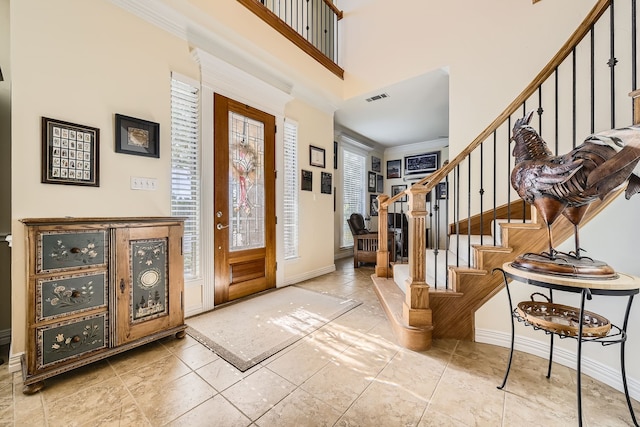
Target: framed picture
421, 163
375, 164
397, 189
335, 155
136, 136
393, 169
373, 205
316, 156
325, 182
441, 190
373, 182
70, 153
380, 183
307, 180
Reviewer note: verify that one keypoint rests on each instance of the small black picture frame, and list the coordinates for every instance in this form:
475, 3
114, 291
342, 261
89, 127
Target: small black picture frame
373, 205
380, 183
375, 164
316, 156
326, 182
441, 191
372, 182
394, 169
70, 153
137, 136
397, 189
307, 180
335, 154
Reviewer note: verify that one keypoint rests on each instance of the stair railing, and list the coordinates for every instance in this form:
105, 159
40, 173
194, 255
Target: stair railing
571, 91
312, 25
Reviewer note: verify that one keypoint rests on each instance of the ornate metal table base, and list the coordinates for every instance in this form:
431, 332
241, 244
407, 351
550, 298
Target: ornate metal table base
624, 285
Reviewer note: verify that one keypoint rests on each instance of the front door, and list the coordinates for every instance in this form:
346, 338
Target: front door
245, 221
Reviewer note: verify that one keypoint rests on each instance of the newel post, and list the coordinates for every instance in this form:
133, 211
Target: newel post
636, 106
382, 256
416, 310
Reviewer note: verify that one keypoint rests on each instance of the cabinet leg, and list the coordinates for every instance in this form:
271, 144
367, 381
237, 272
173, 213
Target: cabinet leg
33, 388
181, 334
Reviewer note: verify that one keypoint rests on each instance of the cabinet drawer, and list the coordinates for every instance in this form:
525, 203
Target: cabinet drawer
71, 294
69, 340
71, 249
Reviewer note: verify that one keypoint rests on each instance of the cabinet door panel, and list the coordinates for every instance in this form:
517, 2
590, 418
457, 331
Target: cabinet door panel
148, 292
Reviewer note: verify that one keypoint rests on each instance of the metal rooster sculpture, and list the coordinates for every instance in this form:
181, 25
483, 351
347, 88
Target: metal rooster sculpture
568, 184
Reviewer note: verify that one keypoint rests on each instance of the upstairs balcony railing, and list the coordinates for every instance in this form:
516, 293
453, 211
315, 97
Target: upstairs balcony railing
312, 25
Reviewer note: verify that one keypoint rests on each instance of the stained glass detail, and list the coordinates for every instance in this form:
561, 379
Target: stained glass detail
246, 183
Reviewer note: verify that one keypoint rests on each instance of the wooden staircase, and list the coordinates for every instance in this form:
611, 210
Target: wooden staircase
453, 310
425, 311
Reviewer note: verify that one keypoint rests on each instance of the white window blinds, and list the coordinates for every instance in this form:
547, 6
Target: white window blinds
290, 189
185, 170
353, 190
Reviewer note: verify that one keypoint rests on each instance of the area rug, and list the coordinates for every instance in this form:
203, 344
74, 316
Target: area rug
247, 332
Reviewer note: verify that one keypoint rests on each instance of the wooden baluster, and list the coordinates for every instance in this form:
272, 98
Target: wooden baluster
382, 257
636, 106
416, 311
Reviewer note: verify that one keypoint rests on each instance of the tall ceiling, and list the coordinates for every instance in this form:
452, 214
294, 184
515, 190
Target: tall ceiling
414, 110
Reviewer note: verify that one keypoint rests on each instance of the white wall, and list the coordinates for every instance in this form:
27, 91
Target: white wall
83, 62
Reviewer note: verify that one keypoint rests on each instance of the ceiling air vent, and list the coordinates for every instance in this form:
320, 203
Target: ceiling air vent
377, 97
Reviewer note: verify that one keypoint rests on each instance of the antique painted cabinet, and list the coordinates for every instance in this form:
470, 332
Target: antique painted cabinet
97, 287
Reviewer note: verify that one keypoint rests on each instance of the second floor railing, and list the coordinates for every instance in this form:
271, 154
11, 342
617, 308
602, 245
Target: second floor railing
310, 24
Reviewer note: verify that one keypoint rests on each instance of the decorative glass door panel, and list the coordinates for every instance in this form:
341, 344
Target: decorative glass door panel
244, 178
246, 183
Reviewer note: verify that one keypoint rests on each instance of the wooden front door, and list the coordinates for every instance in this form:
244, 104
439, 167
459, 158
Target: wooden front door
245, 221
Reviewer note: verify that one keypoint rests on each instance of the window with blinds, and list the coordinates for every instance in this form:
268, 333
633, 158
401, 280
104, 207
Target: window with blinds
185, 170
353, 190
290, 189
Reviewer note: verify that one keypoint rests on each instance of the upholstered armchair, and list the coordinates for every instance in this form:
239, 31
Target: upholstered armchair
365, 242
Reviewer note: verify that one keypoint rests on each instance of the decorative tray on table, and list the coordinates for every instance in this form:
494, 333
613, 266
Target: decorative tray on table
563, 319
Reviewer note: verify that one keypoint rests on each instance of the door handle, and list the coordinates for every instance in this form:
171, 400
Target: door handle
122, 286
220, 226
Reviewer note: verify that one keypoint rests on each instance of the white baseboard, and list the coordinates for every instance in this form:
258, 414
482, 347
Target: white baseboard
15, 362
603, 373
308, 275
5, 336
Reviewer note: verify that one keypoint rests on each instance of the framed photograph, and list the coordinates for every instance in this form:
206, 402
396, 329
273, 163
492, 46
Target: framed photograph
441, 190
325, 182
373, 205
70, 153
393, 169
375, 164
316, 156
307, 180
373, 182
380, 183
335, 155
397, 189
136, 136
421, 163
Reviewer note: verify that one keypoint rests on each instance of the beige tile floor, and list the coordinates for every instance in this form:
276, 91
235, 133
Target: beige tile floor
351, 372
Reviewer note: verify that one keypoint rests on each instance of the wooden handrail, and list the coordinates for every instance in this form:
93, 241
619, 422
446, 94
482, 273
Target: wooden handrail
582, 30
333, 7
